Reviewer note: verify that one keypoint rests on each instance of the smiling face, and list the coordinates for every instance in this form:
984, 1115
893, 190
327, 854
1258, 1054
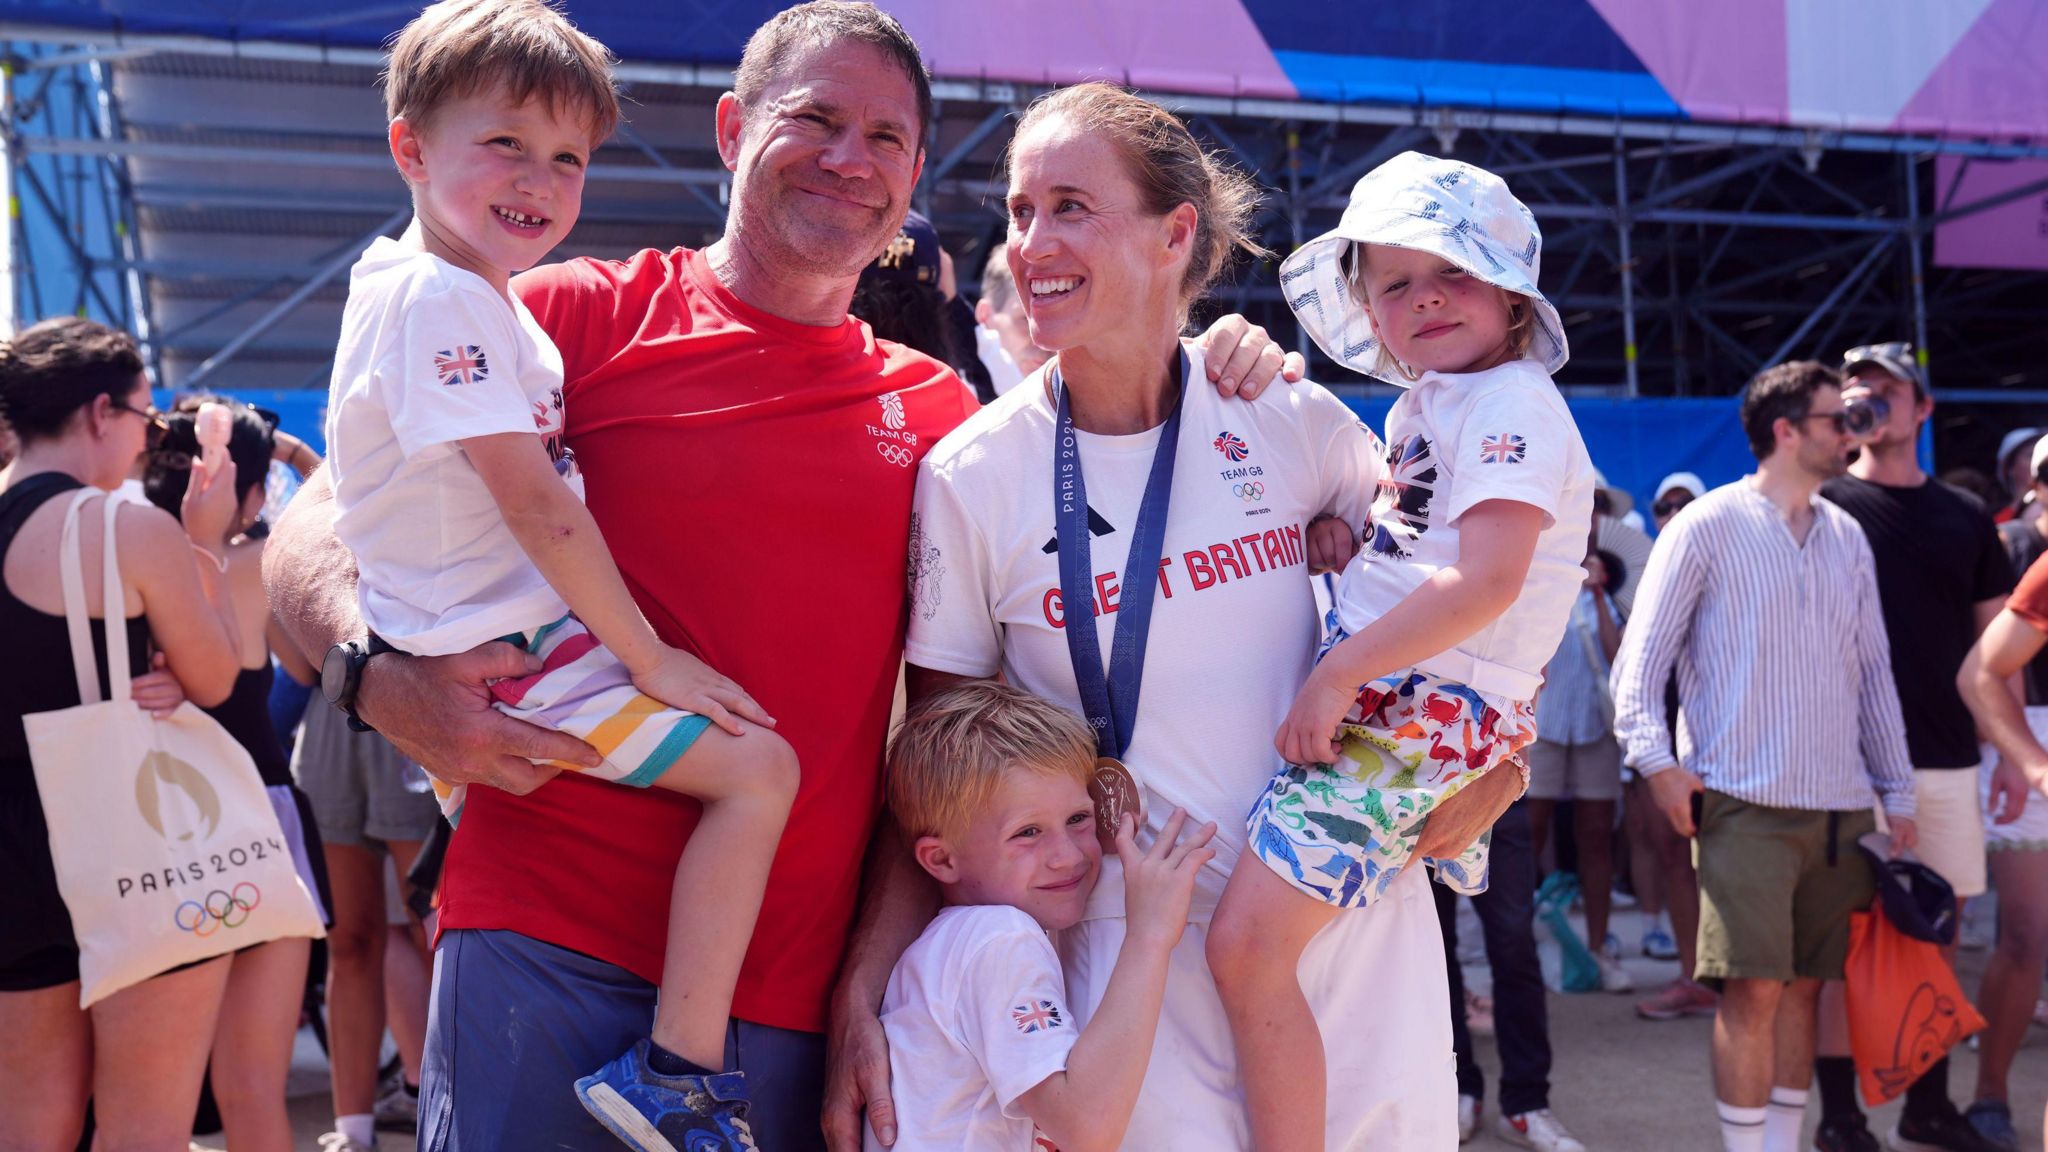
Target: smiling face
1433, 315
496, 184
824, 159
1031, 847
1091, 264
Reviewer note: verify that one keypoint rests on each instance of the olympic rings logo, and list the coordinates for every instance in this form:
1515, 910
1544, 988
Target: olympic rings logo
219, 910
894, 453
1250, 492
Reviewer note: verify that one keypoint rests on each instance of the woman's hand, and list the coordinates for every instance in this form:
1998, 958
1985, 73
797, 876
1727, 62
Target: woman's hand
156, 691
209, 506
1309, 734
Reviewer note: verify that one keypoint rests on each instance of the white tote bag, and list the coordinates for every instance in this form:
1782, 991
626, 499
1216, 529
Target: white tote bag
166, 848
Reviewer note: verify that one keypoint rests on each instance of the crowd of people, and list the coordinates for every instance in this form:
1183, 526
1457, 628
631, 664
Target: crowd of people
1188, 877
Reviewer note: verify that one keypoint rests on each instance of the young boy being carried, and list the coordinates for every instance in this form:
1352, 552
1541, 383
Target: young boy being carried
990, 783
463, 506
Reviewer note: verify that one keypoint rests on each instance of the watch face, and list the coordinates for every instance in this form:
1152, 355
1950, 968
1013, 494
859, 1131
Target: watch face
334, 673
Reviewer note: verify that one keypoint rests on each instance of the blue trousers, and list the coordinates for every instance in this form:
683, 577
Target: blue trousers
1521, 1017
514, 1023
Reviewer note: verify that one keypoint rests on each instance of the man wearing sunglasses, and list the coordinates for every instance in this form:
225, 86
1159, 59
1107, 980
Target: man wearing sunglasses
1942, 575
1764, 598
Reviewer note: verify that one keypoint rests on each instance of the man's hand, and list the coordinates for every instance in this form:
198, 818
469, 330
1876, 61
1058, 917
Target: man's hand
1458, 822
1242, 359
1672, 791
2008, 792
857, 1079
1905, 834
437, 711
1331, 544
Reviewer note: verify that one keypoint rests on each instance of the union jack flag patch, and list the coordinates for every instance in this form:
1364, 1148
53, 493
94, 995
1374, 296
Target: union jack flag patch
464, 364
1504, 449
1037, 1016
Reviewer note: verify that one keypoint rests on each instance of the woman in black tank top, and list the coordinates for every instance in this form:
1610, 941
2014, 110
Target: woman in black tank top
266, 983
75, 396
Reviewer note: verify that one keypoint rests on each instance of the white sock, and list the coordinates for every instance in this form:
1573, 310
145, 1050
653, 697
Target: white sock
361, 1128
1742, 1129
1782, 1118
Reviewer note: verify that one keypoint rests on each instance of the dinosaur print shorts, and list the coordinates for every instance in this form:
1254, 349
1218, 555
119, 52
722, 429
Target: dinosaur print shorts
1341, 832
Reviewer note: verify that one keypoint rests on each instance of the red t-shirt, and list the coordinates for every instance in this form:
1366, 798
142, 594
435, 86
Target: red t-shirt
2029, 600
752, 477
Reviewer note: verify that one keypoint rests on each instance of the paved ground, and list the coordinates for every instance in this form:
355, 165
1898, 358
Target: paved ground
1621, 1084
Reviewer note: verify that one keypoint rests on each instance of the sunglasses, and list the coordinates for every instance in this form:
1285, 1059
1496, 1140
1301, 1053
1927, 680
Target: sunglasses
1669, 507
151, 417
1839, 419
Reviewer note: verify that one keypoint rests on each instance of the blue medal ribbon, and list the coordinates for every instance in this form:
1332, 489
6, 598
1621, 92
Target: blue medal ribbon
1110, 700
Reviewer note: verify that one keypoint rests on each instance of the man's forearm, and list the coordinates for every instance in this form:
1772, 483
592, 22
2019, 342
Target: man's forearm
309, 575
898, 900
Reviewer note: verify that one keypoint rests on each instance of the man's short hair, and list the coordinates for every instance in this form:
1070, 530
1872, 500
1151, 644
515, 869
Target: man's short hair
823, 22
996, 285
459, 48
1781, 392
948, 759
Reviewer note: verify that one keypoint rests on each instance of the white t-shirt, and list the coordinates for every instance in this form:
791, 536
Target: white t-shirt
1454, 441
1234, 623
1003, 373
976, 1015
430, 355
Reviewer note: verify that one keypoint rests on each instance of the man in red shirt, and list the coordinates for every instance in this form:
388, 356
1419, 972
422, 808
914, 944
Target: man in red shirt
749, 452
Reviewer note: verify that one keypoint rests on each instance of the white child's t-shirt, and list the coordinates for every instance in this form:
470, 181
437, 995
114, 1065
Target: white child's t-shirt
430, 354
1234, 604
1454, 441
976, 1015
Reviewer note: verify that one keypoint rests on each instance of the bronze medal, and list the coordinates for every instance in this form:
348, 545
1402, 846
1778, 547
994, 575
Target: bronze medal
1114, 789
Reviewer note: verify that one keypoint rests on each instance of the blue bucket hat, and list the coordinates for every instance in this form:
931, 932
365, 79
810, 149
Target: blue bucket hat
1464, 214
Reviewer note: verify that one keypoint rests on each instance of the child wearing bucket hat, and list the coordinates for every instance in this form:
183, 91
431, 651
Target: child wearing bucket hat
1471, 563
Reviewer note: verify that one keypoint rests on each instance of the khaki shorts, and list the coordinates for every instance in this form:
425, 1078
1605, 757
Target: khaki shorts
1949, 823
1773, 904
1574, 771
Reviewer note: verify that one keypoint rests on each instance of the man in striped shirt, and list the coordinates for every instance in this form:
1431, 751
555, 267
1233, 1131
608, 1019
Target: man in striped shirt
1764, 597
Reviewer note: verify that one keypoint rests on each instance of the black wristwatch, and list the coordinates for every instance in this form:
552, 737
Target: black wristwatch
341, 673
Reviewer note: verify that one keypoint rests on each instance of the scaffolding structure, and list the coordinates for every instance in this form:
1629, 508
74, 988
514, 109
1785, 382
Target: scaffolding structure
210, 195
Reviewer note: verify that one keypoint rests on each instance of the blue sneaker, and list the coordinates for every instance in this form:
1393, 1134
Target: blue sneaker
651, 1112
1659, 944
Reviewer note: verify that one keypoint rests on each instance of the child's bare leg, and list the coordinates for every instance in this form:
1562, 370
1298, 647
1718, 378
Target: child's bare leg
746, 784
1255, 944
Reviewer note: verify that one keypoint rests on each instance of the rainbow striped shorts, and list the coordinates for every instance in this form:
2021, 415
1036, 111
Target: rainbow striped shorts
583, 690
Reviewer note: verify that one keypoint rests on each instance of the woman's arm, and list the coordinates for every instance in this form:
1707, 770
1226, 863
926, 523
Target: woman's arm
1986, 683
1443, 610
188, 600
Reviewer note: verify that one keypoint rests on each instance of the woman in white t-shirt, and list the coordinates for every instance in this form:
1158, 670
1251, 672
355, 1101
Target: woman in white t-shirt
1119, 222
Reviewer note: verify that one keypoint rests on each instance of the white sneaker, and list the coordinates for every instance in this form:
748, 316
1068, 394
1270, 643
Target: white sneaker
1613, 977
336, 1142
1468, 1118
1539, 1130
